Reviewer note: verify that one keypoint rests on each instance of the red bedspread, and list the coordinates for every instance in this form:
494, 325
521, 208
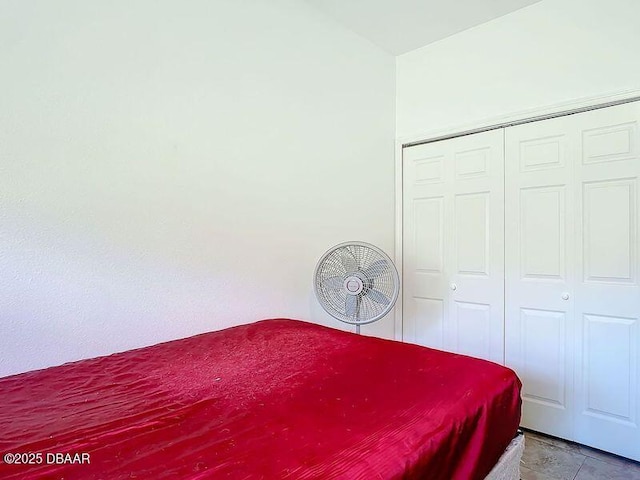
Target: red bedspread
274, 399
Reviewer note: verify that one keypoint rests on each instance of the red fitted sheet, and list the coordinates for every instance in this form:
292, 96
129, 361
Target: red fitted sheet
273, 399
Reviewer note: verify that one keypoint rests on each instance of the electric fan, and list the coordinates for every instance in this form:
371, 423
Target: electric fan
356, 283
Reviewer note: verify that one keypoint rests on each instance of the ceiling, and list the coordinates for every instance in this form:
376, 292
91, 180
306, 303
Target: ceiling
399, 26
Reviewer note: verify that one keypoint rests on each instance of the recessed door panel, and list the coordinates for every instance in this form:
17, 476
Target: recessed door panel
428, 220
472, 233
609, 231
542, 239
610, 143
609, 367
429, 321
472, 163
539, 153
429, 170
471, 332
544, 356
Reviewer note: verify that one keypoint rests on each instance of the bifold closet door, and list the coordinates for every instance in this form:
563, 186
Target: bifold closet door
607, 288
539, 327
453, 245
572, 266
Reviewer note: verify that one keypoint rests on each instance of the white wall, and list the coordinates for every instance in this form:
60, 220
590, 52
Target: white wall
548, 53
169, 168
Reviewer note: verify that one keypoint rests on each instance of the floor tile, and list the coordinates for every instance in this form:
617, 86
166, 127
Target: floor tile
558, 442
593, 469
604, 456
581, 449
527, 474
551, 460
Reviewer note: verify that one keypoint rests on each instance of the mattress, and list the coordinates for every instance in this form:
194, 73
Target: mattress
274, 399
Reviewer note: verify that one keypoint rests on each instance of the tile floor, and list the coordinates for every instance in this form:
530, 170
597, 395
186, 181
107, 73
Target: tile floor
549, 458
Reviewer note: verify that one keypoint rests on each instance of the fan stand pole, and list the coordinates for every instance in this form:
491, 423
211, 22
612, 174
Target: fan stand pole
358, 328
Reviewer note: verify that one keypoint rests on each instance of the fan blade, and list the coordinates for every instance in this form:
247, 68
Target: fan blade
351, 305
379, 297
333, 283
376, 269
348, 261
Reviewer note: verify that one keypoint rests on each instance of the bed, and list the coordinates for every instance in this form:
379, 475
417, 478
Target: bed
273, 399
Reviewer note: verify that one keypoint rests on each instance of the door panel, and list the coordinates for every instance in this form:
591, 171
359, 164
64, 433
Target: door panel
607, 293
426, 322
609, 347
558, 223
470, 330
542, 210
572, 292
471, 221
425, 237
609, 143
609, 234
543, 342
538, 225
453, 292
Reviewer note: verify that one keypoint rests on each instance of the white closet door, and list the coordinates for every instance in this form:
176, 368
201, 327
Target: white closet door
539, 328
453, 231
572, 290
607, 291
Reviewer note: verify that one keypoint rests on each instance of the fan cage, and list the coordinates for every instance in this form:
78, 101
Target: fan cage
368, 263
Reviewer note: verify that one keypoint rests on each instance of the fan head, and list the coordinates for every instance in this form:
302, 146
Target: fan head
356, 283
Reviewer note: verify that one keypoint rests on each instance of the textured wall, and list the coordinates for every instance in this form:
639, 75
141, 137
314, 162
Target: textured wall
169, 168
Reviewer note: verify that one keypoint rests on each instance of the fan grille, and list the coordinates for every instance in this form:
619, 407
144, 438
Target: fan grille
372, 267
